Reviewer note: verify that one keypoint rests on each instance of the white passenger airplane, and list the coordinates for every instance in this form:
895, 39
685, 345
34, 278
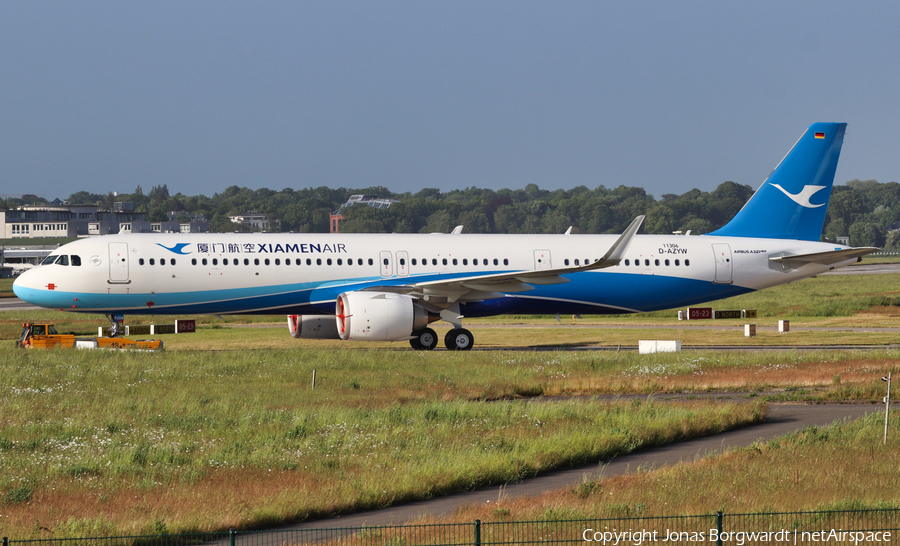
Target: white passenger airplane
390, 287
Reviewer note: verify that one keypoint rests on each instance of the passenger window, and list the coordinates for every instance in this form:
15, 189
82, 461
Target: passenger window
172, 261
246, 261
193, 261
318, 261
267, 261
402, 261
454, 261
153, 262
667, 261
647, 262
687, 263
576, 261
496, 261
465, 261
224, 261
340, 261
141, 261
162, 261
677, 262
328, 261
287, 261
505, 261
371, 261
215, 261
656, 262
434, 261
277, 261
626, 262
76, 260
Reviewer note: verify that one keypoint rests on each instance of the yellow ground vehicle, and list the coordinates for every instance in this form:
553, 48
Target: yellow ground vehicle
45, 336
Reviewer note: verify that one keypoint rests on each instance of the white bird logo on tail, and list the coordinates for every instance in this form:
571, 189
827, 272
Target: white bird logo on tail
802, 198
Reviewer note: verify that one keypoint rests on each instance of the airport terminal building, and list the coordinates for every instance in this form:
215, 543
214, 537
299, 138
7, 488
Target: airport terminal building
39, 221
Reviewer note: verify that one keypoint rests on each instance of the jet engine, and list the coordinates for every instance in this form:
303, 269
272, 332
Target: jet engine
313, 326
380, 316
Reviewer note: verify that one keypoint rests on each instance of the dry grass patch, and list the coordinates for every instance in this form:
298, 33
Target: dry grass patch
827, 378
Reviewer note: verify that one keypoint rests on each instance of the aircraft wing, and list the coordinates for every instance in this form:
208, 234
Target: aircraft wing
824, 258
482, 287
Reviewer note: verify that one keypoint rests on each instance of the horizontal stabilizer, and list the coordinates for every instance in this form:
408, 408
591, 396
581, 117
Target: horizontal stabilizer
824, 258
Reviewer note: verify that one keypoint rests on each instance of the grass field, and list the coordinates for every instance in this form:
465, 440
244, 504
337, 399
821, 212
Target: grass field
6, 290
111, 443
842, 467
224, 430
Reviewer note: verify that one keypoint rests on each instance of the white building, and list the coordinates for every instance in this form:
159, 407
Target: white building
252, 219
70, 221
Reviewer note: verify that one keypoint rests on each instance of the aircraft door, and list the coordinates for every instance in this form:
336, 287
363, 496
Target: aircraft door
542, 259
118, 263
722, 254
402, 263
384, 260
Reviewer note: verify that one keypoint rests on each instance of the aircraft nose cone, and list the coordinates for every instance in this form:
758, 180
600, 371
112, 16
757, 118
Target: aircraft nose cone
23, 286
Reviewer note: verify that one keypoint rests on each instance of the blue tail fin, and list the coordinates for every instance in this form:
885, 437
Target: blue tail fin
792, 202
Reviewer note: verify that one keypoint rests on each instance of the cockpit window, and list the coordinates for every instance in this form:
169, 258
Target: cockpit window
63, 260
49, 260
76, 260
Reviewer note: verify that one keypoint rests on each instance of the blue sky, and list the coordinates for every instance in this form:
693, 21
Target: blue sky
669, 96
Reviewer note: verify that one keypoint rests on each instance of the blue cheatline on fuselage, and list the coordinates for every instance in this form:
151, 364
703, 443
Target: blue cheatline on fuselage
623, 293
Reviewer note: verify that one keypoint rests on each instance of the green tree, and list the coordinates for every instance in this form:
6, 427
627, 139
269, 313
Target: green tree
866, 233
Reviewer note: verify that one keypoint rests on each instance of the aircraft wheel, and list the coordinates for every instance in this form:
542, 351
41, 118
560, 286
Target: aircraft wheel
459, 339
424, 340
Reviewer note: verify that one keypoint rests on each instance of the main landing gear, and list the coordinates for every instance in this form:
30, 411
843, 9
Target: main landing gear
424, 340
457, 339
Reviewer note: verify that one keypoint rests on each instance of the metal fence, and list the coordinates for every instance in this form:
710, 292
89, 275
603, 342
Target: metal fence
824, 527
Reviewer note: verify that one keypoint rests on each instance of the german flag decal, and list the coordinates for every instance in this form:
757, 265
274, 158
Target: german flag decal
820, 135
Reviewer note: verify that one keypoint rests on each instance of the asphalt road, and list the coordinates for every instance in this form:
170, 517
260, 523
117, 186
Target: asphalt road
10, 304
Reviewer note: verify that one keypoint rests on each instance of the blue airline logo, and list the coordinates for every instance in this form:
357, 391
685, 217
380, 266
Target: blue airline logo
177, 249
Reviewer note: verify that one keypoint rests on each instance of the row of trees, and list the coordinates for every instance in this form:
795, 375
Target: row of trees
865, 210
